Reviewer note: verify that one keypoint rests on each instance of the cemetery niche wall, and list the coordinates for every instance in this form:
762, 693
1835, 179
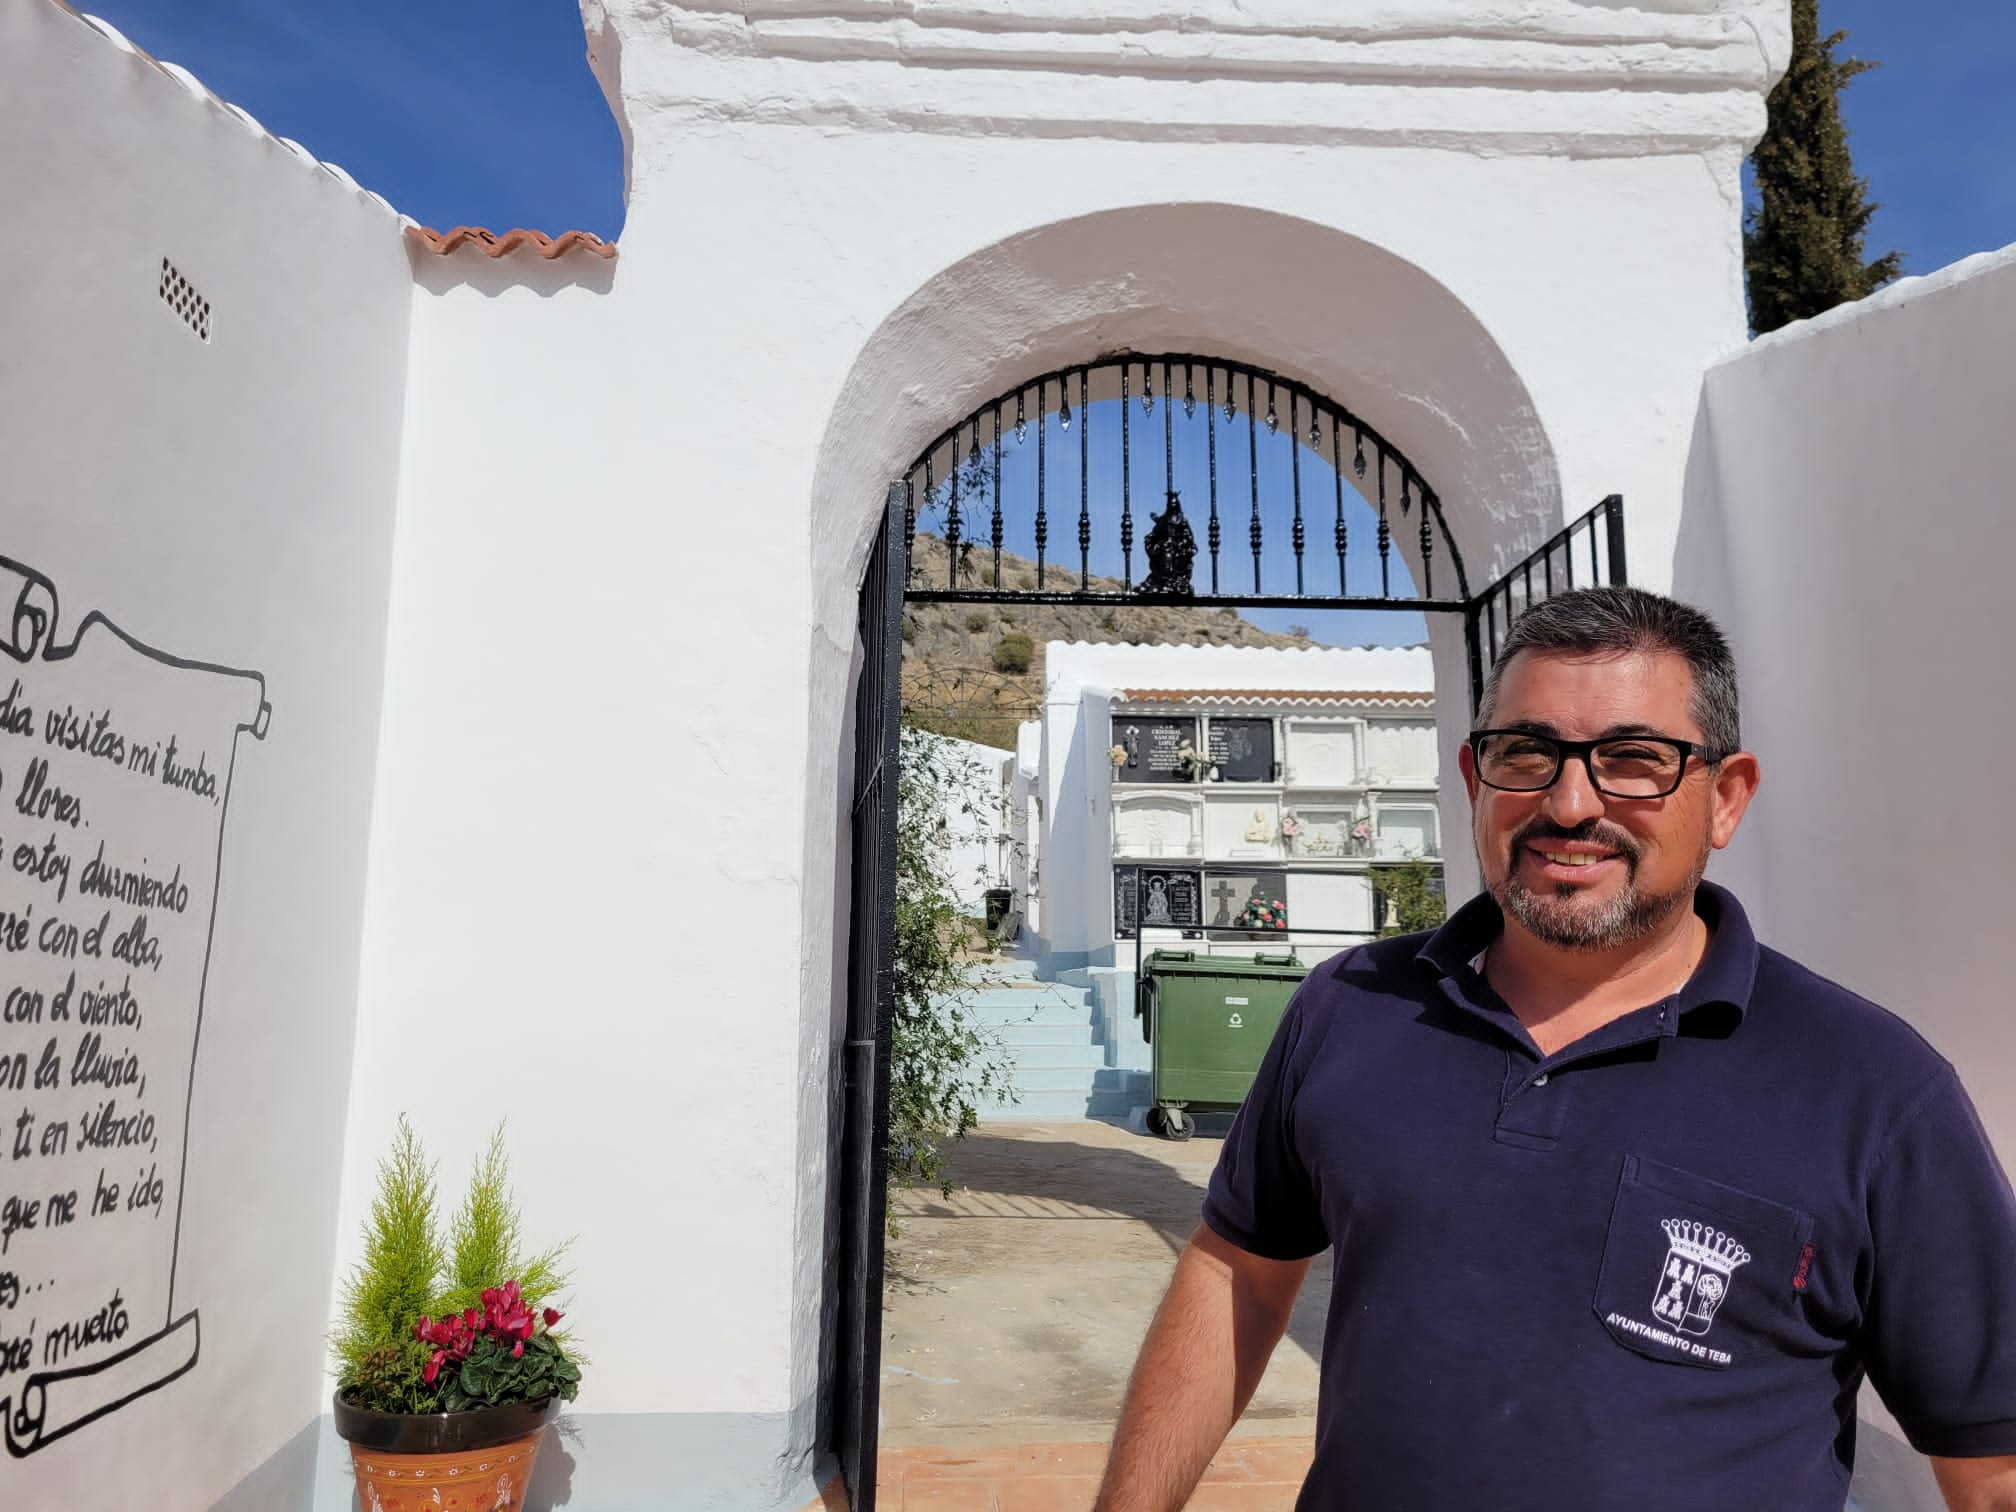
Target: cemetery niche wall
1266, 849
1231, 796
116, 759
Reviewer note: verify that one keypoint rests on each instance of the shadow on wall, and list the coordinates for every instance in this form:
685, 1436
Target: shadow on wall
1704, 576
524, 271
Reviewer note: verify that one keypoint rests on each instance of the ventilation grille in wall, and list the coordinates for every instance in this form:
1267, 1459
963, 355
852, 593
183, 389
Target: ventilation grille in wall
180, 296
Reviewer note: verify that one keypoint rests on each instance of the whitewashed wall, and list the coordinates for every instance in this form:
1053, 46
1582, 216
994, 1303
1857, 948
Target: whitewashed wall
976, 821
843, 233
227, 501
1847, 521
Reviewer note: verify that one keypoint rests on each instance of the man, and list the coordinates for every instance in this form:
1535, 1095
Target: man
1623, 1207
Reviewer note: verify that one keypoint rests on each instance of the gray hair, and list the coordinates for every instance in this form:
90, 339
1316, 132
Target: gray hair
1591, 620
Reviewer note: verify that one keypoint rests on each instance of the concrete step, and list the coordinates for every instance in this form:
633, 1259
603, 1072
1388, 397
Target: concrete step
1054, 1016
1044, 994
1022, 1038
1056, 1078
1080, 1059
1038, 1107
1117, 1092
1001, 971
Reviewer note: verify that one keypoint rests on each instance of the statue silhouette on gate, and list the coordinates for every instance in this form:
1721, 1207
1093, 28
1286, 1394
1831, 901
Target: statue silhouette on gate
1171, 549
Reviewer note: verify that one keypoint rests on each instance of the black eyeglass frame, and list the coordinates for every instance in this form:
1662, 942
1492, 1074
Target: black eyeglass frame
1585, 750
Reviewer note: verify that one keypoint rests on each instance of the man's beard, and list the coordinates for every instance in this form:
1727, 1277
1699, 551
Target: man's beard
1559, 915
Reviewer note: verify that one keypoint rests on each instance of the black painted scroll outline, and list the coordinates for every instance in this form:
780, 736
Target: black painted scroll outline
32, 626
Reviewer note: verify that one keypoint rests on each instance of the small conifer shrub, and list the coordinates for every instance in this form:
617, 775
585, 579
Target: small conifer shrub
434, 1322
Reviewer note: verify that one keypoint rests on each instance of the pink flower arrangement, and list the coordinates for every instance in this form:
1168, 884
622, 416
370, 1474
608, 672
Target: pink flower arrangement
1291, 827
503, 1317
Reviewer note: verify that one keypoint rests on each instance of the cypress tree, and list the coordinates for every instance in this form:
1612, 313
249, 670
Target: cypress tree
1802, 241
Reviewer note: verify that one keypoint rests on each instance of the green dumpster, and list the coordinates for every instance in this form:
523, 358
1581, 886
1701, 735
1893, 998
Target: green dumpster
1208, 1021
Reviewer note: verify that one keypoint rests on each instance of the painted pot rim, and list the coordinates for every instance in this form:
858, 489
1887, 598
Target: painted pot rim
441, 1432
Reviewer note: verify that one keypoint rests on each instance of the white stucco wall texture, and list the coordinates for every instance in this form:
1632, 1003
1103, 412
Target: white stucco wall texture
1512, 244
1844, 522
224, 495
620, 629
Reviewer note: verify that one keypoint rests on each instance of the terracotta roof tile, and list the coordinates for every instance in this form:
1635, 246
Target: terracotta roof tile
490, 244
1277, 695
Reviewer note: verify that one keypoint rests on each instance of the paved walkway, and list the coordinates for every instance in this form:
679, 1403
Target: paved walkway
1249, 1475
1014, 1310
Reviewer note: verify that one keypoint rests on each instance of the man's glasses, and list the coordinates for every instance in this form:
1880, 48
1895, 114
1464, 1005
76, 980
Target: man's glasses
1627, 766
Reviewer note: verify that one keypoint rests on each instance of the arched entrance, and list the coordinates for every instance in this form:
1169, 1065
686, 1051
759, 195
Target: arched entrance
1079, 478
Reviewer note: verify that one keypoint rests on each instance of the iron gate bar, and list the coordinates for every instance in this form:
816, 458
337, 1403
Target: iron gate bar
1603, 526
1139, 600
864, 1129
862, 1178
960, 445
1211, 439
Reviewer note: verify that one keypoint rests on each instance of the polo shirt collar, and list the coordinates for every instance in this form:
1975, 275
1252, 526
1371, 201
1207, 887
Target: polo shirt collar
1726, 974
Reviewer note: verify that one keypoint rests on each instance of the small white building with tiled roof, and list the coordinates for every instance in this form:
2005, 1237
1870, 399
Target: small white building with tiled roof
1208, 791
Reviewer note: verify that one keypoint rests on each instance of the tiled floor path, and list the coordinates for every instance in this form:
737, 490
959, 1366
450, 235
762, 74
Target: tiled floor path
1249, 1475
1013, 1314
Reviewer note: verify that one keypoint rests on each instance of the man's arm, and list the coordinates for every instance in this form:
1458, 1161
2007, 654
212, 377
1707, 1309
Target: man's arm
1977, 1485
1202, 1360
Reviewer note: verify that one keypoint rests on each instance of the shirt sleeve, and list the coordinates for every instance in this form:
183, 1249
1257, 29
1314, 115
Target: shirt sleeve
1941, 1312
1261, 1197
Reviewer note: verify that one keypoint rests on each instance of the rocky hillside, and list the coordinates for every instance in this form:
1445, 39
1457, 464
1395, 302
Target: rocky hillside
967, 673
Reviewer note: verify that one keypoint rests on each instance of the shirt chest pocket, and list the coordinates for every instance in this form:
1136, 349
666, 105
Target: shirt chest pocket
1695, 1272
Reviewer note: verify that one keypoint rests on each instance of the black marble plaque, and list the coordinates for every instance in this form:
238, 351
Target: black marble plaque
1151, 742
1243, 749
1170, 899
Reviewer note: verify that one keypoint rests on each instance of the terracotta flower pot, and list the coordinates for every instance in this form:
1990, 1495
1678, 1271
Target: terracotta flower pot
478, 1461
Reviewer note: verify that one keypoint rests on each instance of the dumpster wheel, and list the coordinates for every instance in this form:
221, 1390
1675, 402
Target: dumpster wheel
1171, 1123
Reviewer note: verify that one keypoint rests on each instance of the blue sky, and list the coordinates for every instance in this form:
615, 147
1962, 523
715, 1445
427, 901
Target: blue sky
484, 111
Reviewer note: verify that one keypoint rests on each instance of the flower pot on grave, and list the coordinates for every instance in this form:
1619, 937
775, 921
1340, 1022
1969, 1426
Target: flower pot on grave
479, 1461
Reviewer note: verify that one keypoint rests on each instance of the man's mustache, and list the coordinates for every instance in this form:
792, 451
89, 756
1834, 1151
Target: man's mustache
1589, 832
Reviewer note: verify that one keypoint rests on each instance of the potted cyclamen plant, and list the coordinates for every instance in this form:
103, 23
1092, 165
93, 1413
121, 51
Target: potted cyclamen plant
448, 1368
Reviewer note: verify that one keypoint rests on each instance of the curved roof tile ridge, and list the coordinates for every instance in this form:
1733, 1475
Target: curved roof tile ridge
493, 244
196, 88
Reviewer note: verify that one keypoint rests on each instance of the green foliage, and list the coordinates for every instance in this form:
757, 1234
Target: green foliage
394, 1283
1802, 240
977, 620
485, 1248
409, 1271
393, 1378
492, 1375
1013, 652
1413, 894
942, 1063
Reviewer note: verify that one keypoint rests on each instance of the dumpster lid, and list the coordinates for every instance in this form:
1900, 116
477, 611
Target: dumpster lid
1170, 963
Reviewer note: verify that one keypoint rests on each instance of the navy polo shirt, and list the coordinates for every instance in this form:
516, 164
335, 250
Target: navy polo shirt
1648, 1271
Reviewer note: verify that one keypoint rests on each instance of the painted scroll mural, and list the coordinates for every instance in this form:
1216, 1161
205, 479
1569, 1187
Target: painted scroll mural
115, 768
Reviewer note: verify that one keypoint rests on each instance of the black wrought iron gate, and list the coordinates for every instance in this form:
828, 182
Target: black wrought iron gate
961, 482
865, 1053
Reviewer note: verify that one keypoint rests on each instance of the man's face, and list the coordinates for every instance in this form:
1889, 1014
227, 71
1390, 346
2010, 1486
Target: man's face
1580, 869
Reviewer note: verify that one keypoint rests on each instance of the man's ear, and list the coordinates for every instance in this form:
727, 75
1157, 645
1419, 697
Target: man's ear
1466, 761
1736, 782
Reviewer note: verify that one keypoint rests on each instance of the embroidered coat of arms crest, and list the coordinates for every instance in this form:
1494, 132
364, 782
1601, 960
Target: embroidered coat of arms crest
1700, 1264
